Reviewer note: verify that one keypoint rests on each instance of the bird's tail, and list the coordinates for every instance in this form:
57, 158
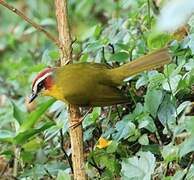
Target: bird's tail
151, 61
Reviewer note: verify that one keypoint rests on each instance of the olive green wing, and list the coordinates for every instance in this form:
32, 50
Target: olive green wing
107, 95
102, 96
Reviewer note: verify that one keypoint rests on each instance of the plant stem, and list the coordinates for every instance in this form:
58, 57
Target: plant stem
64, 152
76, 134
189, 166
16, 160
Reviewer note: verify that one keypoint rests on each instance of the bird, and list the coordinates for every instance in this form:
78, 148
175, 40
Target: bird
94, 84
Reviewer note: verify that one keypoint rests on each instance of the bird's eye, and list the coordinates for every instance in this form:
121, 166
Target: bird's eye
40, 86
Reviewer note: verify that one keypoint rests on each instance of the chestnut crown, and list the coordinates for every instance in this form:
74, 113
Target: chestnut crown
43, 81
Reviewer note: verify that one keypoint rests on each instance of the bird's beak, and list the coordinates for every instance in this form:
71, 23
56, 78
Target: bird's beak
32, 97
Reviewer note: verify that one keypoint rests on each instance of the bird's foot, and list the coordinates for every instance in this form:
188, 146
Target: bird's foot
75, 124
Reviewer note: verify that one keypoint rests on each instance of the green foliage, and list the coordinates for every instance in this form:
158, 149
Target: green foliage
153, 100
26, 129
140, 167
34, 116
158, 40
152, 136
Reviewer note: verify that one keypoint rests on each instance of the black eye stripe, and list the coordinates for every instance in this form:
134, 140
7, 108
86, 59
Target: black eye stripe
40, 86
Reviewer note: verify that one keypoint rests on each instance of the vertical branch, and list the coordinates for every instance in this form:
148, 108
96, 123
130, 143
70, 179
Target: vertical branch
16, 161
76, 134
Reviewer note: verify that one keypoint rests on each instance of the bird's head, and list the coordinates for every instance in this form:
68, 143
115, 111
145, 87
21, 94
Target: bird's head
42, 83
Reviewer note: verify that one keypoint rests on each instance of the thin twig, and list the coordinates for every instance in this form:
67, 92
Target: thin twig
170, 87
64, 152
167, 169
73, 41
49, 174
131, 53
28, 20
103, 52
103, 55
5, 168
93, 163
157, 132
189, 166
112, 47
132, 97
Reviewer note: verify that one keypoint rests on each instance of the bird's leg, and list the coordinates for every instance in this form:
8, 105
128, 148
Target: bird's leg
75, 124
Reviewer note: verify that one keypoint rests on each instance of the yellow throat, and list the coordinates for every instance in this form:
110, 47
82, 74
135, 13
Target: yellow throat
54, 91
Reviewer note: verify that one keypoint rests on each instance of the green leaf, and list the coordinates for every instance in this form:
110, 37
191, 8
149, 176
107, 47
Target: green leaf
123, 46
187, 146
147, 122
18, 114
172, 84
155, 79
190, 65
62, 175
143, 140
93, 46
138, 167
190, 174
167, 111
33, 145
24, 136
54, 54
97, 30
39, 170
183, 106
35, 115
125, 128
138, 110
109, 162
189, 124
158, 40
112, 147
92, 117
153, 148
120, 56
142, 81
153, 100
6, 136
84, 58
179, 175
170, 152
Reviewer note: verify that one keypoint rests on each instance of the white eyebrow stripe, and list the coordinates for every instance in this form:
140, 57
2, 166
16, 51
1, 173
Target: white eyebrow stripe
39, 80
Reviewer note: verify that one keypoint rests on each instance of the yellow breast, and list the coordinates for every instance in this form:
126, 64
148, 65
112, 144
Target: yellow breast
54, 91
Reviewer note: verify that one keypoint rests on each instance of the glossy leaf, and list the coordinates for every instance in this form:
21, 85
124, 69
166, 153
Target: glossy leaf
35, 115
18, 114
153, 100
138, 167
24, 136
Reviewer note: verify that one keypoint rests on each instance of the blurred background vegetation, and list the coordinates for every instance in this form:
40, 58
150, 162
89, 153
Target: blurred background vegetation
153, 138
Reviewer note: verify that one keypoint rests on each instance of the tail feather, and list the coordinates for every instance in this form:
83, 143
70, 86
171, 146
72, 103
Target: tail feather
151, 61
